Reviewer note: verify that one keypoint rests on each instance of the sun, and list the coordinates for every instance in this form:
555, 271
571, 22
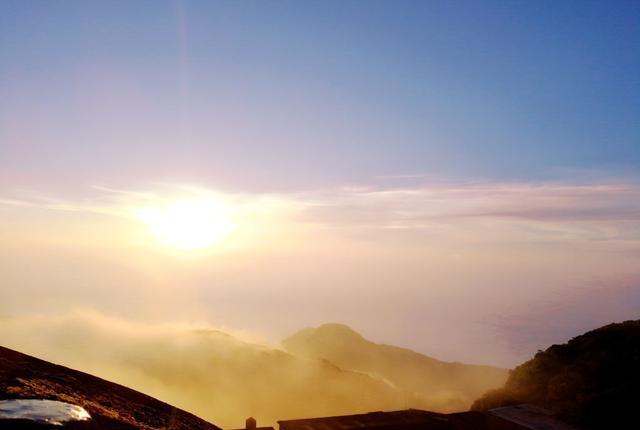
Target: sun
189, 224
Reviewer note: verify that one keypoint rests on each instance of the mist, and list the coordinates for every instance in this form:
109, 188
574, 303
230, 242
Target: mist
204, 370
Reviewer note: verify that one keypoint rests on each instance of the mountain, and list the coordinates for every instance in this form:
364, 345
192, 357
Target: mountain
208, 372
437, 385
110, 405
226, 380
592, 381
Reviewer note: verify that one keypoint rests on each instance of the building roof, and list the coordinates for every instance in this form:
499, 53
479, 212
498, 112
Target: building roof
530, 417
401, 420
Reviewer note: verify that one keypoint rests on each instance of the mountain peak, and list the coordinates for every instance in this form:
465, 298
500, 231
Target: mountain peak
441, 385
331, 333
338, 329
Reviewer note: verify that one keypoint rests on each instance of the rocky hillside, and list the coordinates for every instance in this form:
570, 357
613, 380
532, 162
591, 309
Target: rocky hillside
440, 385
111, 406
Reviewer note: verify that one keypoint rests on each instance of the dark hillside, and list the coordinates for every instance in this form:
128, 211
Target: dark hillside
591, 381
111, 405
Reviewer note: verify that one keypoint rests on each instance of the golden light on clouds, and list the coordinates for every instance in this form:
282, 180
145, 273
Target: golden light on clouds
387, 250
189, 224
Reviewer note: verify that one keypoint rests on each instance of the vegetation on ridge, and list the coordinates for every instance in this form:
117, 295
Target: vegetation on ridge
591, 381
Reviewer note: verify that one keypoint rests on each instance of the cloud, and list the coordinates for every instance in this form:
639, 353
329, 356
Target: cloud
405, 207
417, 255
590, 211
539, 202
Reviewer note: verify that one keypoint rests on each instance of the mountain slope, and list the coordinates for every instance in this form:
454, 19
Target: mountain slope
208, 372
438, 385
592, 381
111, 405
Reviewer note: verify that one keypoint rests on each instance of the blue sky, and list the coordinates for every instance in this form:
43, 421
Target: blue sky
272, 95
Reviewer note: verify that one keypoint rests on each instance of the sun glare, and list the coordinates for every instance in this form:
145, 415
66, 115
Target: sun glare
189, 224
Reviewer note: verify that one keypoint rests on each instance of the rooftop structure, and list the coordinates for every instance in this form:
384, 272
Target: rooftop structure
411, 419
520, 417
524, 417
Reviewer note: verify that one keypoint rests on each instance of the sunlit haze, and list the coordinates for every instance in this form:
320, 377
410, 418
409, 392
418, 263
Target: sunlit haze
459, 178
189, 224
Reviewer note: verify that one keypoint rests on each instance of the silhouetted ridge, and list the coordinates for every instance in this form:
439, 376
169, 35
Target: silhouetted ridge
592, 381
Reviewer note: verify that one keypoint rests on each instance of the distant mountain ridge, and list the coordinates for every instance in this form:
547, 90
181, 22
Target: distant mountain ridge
224, 379
206, 371
439, 385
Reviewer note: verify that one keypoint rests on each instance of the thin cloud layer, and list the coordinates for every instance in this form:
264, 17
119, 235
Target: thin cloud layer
422, 206
407, 207
419, 255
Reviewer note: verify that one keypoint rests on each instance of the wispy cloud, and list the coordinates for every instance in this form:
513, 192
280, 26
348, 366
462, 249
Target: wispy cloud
611, 209
599, 210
